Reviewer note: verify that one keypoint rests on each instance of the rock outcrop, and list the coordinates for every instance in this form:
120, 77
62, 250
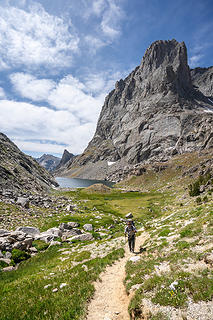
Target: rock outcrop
161, 109
48, 161
19, 171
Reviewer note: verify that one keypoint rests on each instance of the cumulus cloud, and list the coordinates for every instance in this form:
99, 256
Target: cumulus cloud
30, 36
71, 115
30, 87
40, 123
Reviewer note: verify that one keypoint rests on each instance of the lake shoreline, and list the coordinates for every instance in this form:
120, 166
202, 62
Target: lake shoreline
75, 183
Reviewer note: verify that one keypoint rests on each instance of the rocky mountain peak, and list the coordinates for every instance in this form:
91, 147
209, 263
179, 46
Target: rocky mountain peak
160, 109
66, 157
164, 68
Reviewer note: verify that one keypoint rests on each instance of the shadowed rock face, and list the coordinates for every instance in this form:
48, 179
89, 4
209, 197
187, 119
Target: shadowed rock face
19, 171
203, 80
65, 158
154, 113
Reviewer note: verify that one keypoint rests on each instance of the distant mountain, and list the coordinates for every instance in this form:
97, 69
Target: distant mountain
19, 171
48, 161
66, 160
161, 109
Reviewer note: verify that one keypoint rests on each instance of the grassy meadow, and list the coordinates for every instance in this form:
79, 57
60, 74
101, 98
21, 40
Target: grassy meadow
57, 283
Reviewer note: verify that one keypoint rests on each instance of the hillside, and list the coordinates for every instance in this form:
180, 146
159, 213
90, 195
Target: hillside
20, 172
170, 275
160, 110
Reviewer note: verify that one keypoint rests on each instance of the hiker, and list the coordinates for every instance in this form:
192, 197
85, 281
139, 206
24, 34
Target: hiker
130, 230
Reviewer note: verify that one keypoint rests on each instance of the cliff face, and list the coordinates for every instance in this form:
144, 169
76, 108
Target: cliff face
19, 171
156, 112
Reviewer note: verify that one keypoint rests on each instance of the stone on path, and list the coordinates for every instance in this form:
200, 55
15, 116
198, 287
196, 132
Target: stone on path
134, 259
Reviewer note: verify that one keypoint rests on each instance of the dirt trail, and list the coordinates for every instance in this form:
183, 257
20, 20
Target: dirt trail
110, 301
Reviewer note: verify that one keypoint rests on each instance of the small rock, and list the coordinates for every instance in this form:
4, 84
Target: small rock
24, 202
7, 261
33, 250
134, 259
4, 233
55, 243
173, 284
29, 230
82, 237
55, 290
10, 268
62, 285
88, 227
47, 286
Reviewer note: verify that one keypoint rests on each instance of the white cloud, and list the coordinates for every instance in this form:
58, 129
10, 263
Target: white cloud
30, 122
111, 20
109, 15
2, 93
39, 147
72, 119
30, 87
32, 37
70, 94
94, 43
195, 60
98, 6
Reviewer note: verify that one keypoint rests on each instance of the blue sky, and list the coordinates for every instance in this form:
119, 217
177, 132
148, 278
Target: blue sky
60, 58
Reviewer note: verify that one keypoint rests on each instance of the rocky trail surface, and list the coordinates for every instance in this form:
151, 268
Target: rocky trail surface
110, 301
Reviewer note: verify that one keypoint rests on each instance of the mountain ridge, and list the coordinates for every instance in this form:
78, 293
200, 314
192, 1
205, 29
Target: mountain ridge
157, 111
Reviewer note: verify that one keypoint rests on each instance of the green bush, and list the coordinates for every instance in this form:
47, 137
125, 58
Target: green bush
18, 255
3, 264
194, 188
40, 245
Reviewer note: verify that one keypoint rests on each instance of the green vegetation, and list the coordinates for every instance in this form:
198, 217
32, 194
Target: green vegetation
159, 316
3, 264
18, 255
33, 300
84, 255
194, 188
179, 230
40, 245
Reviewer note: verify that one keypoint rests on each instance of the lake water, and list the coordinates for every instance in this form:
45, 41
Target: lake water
79, 183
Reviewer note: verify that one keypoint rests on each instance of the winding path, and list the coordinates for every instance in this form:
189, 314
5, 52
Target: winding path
110, 301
